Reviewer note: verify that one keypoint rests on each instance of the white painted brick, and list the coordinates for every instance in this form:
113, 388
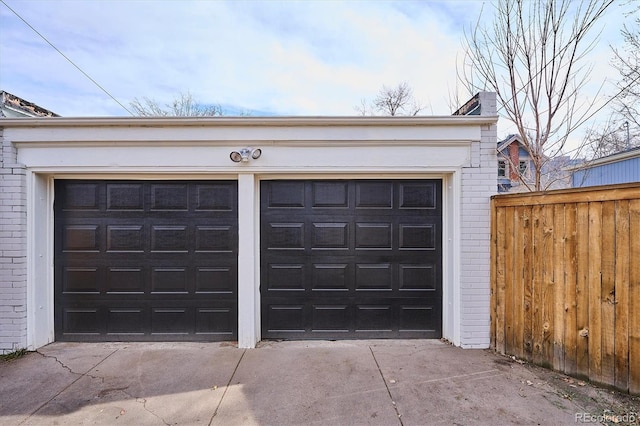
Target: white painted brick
13, 314
10, 253
9, 328
13, 177
478, 184
13, 309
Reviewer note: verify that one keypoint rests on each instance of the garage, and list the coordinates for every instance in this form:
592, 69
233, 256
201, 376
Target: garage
145, 260
248, 228
350, 259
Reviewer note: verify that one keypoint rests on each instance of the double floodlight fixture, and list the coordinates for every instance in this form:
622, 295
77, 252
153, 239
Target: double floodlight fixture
245, 154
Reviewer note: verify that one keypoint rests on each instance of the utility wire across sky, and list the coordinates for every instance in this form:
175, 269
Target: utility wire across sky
67, 58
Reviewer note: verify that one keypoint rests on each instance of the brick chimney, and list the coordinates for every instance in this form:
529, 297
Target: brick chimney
514, 160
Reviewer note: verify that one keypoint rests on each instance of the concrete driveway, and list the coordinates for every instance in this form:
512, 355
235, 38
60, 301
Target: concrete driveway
384, 382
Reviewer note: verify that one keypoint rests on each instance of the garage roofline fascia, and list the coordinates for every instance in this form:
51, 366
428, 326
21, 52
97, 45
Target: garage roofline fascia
298, 121
302, 143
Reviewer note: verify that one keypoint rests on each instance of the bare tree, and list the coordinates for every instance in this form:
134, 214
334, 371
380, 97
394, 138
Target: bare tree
531, 55
393, 101
614, 136
622, 130
183, 105
627, 62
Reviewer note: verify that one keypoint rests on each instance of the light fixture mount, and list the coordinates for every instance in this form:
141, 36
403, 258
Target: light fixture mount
245, 154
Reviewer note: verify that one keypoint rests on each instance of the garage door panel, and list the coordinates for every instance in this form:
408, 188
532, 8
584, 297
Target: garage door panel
327, 194
82, 321
140, 266
285, 318
285, 277
149, 318
125, 280
125, 321
126, 276
216, 321
330, 235
372, 276
417, 277
165, 196
285, 236
214, 239
378, 317
81, 238
175, 320
221, 279
418, 195
374, 236
375, 319
374, 195
128, 238
169, 280
82, 197
331, 277
417, 318
215, 197
335, 318
364, 251
169, 238
289, 194
80, 280
417, 237
123, 196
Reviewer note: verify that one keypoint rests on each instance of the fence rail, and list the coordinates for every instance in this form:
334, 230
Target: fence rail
566, 281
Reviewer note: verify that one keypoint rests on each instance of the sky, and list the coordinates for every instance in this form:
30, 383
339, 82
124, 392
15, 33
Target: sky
288, 58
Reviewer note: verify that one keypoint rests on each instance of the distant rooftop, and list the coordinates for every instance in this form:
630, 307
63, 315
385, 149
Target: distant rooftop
472, 107
12, 106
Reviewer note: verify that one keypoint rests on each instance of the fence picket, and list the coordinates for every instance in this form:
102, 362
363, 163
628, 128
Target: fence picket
634, 297
622, 296
607, 310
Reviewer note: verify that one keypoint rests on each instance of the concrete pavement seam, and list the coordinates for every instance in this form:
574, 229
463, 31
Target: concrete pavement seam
215, 413
395, 407
81, 375
467, 376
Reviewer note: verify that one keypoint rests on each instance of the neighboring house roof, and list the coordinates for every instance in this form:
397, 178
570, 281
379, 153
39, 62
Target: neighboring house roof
609, 159
503, 144
555, 171
13, 106
621, 167
472, 107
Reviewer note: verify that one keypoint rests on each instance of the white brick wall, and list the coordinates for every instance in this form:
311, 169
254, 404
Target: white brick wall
13, 262
479, 183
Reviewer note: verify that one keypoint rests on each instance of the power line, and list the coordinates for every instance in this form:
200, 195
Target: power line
67, 58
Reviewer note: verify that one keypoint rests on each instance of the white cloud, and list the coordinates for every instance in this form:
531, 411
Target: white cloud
294, 58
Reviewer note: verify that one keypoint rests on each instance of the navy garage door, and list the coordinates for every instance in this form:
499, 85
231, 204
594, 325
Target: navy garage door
145, 260
351, 259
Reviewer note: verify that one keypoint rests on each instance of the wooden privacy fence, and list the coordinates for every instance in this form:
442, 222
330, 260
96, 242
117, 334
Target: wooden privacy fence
565, 274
